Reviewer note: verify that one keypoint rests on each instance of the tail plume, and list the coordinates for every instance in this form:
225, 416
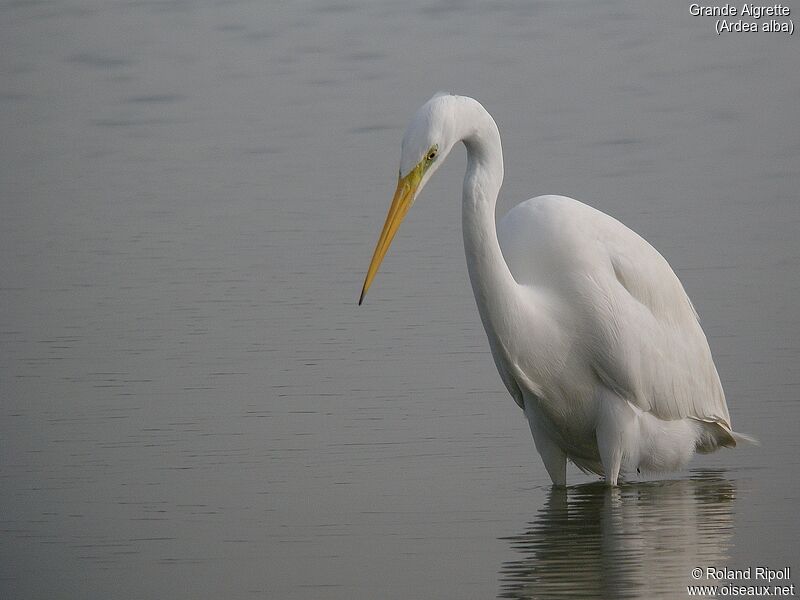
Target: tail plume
743, 438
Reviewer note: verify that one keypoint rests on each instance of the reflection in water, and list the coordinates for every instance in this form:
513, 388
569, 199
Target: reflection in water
635, 541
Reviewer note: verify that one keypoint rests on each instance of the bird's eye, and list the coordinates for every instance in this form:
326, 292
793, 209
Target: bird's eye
432, 153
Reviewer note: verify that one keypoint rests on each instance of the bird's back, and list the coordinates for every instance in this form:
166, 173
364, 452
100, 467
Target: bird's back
635, 330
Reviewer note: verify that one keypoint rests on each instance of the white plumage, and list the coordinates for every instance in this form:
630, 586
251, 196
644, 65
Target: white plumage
591, 330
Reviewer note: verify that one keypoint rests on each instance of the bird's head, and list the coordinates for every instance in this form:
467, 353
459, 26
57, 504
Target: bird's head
428, 140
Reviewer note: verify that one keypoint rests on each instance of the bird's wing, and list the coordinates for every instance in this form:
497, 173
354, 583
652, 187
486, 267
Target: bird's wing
635, 324
645, 340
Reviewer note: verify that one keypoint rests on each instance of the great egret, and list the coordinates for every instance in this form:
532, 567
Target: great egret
590, 329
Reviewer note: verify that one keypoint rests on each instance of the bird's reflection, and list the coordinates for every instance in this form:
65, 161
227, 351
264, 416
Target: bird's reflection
636, 541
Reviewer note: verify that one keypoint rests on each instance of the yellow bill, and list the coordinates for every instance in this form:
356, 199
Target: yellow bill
402, 201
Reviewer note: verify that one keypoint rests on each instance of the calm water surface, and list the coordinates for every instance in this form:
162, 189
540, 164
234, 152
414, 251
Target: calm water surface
193, 406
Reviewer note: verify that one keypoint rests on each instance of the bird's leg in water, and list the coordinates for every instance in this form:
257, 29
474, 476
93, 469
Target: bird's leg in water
553, 457
615, 426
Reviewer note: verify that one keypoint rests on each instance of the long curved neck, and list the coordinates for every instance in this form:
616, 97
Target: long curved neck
492, 283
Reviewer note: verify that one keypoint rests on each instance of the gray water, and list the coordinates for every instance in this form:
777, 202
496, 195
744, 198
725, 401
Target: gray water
193, 406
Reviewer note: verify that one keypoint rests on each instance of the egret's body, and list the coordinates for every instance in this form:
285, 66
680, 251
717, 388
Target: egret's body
590, 329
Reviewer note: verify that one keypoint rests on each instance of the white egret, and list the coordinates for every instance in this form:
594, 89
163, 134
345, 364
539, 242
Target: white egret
591, 330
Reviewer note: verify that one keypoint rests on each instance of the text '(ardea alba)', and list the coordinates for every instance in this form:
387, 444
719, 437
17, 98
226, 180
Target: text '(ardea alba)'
590, 329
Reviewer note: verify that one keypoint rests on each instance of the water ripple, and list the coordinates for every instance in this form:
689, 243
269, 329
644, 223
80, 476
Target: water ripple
638, 541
